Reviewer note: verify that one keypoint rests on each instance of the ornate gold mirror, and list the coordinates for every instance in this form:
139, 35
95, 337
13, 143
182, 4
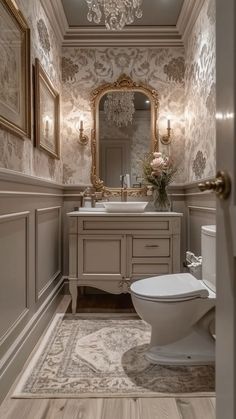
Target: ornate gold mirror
125, 128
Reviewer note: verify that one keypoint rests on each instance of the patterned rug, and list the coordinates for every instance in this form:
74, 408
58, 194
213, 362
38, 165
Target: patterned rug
103, 356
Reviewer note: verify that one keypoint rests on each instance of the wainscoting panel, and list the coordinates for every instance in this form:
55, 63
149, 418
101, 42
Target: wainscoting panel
30, 265
48, 248
197, 217
14, 265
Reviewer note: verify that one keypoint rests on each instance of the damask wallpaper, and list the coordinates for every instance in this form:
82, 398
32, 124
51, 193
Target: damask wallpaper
200, 88
21, 155
184, 79
85, 69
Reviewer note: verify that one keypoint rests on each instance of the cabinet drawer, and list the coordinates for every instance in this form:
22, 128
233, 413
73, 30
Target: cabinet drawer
151, 247
128, 224
153, 269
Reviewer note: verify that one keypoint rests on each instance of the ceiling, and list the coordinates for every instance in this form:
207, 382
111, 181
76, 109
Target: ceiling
164, 23
155, 13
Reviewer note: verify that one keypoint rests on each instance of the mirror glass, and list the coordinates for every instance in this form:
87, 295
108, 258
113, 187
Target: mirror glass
124, 122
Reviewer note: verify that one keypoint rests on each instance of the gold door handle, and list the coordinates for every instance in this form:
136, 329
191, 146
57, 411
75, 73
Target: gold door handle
221, 185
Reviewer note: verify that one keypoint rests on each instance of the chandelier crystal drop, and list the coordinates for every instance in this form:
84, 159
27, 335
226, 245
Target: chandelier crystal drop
117, 13
119, 108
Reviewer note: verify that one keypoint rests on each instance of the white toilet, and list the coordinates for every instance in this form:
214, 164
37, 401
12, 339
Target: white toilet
180, 310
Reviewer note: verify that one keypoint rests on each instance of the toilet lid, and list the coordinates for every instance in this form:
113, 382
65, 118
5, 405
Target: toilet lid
170, 287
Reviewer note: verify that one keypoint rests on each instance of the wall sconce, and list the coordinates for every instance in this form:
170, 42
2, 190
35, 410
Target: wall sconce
83, 139
166, 139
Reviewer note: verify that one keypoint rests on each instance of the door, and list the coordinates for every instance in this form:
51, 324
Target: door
226, 214
115, 158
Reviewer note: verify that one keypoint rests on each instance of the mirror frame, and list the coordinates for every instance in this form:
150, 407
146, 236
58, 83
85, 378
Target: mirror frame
124, 83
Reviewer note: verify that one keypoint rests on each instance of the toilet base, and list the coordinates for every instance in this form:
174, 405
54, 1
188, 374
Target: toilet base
198, 348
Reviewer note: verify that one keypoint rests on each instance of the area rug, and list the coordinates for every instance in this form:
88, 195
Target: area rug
102, 355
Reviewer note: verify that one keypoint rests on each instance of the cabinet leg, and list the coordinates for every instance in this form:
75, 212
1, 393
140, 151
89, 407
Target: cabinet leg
74, 293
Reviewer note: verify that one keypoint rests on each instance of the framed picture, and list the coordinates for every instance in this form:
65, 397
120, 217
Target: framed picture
15, 71
46, 113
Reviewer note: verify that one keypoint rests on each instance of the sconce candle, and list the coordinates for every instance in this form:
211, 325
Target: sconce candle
83, 139
166, 139
46, 126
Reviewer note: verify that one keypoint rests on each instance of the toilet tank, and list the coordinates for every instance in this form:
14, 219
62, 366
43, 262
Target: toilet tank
208, 245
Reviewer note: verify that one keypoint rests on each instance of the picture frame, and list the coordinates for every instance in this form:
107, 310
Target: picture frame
15, 71
47, 108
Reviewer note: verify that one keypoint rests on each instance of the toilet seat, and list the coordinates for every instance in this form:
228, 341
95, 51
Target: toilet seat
166, 288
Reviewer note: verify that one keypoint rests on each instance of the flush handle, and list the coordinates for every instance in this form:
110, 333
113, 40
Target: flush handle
221, 185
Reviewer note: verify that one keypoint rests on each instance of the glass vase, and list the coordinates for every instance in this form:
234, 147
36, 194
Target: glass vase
161, 200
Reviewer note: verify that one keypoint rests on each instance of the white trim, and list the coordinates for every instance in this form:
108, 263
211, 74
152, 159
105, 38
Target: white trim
22, 194
188, 16
19, 177
159, 36
204, 209
56, 16
130, 36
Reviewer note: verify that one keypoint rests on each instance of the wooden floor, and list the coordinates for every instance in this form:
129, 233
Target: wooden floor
140, 408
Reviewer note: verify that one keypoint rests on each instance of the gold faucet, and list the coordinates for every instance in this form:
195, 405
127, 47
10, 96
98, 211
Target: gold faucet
124, 194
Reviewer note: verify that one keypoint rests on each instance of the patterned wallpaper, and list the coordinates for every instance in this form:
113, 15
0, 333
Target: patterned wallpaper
84, 69
15, 153
185, 81
200, 96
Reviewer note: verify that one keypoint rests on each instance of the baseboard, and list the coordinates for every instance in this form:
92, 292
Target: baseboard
16, 356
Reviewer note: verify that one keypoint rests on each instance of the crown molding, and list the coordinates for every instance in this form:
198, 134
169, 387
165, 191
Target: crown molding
130, 36
56, 16
188, 16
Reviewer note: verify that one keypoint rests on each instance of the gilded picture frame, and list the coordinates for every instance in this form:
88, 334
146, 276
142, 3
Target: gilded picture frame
47, 109
15, 71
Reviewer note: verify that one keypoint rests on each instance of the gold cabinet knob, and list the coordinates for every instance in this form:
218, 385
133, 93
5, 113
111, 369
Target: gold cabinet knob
221, 185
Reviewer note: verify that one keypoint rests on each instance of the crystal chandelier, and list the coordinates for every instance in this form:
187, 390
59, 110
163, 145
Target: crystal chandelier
119, 108
117, 13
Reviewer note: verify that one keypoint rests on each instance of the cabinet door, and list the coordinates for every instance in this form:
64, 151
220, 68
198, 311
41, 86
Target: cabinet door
101, 257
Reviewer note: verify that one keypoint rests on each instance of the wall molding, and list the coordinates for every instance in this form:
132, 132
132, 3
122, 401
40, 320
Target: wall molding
40, 293
188, 16
6, 218
73, 190
196, 208
7, 175
14, 359
165, 36
56, 16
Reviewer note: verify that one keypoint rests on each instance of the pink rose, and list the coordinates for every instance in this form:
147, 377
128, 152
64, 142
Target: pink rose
157, 163
157, 154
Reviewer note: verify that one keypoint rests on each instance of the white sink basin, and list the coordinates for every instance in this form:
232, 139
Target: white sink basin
129, 206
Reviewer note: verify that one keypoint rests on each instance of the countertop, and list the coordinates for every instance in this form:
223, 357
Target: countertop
123, 214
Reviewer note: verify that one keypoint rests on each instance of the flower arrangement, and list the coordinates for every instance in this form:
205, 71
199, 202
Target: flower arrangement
159, 171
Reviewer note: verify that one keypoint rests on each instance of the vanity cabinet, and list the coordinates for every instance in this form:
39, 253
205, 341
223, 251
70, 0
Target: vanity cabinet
109, 251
